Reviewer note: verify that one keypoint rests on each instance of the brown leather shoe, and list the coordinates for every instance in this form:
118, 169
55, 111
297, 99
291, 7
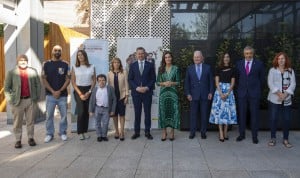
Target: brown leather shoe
18, 144
31, 142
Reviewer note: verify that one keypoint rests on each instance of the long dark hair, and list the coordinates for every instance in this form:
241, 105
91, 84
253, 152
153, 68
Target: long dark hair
162, 67
86, 60
221, 61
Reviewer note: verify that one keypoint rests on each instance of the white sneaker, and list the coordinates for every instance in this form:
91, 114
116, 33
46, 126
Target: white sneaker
81, 136
48, 138
86, 136
63, 137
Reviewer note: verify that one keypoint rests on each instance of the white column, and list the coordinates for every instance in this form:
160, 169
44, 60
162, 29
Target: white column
26, 36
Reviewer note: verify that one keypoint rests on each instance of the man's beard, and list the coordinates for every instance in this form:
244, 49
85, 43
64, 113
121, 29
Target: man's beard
57, 55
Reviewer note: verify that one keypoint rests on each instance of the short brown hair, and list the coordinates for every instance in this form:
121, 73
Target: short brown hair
22, 56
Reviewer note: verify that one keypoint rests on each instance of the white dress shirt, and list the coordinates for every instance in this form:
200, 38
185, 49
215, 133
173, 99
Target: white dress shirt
102, 97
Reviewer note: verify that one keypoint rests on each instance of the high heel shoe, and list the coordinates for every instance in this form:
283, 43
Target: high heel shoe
172, 135
117, 136
122, 137
221, 140
164, 138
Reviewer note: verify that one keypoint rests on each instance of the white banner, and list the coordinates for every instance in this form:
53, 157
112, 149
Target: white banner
97, 51
126, 48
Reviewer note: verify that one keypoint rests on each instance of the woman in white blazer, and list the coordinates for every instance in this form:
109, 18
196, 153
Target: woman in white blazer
282, 83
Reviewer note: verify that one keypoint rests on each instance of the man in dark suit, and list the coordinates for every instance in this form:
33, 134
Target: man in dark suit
198, 88
141, 78
250, 79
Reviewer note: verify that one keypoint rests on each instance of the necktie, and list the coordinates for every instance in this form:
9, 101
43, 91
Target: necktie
198, 71
141, 68
247, 68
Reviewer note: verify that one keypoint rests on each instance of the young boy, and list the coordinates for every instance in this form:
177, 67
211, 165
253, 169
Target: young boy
103, 104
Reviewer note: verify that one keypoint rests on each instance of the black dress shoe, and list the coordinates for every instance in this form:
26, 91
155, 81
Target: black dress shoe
240, 138
122, 138
18, 144
99, 139
149, 136
31, 142
255, 140
116, 137
192, 136
226, 138
135, 136
104, 139
203, 135
172, 138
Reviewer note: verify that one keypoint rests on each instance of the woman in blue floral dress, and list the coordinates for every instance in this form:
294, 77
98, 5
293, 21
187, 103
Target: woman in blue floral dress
223, 111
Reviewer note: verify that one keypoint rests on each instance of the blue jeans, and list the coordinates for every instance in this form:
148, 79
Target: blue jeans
51, 103
102, 120
276, 111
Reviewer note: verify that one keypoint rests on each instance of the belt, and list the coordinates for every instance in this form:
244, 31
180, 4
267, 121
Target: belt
102, 106
24, 97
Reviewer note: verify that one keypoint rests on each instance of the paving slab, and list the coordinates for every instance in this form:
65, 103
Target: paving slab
142, 158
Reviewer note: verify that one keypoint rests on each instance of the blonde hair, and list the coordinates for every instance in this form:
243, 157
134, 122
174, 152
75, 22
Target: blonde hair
116, 59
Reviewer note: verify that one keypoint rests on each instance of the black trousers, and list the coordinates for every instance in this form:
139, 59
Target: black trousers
82, 110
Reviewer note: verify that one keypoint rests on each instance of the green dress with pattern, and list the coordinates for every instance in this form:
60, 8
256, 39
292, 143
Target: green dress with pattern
169, 114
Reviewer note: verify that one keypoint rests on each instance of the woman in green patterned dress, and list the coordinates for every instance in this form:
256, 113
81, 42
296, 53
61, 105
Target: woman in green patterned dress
168, 79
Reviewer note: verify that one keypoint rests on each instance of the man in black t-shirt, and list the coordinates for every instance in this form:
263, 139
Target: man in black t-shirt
56, 78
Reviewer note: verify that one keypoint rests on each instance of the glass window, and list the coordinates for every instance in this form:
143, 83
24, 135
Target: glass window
191, 26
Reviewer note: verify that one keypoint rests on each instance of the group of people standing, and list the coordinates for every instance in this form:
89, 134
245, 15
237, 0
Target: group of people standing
248, 77
109, 97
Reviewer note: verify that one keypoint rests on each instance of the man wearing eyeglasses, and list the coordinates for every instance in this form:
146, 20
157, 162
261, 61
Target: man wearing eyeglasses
56, 78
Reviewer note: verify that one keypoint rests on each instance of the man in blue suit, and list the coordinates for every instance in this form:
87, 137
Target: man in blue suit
198, 88
250, 81
141, 78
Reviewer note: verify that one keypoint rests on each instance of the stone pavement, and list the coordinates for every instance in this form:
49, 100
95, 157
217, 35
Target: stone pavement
141, 158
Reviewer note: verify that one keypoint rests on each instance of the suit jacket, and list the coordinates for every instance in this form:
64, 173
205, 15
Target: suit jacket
199, 89
122, 80
112, 101
147, 79
253, 83
12, 85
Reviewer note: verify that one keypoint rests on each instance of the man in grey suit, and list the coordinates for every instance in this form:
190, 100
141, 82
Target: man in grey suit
103, 103
22, 89
198, 87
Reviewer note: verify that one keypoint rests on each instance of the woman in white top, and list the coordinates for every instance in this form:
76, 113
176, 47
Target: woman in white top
282, 83
83, 79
